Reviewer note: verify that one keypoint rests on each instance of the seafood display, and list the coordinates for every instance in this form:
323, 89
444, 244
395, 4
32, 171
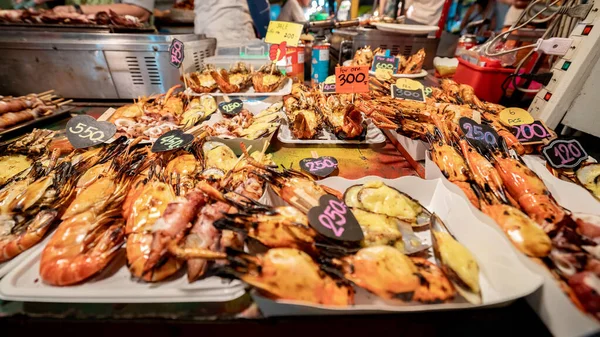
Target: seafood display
442, 110
246, 125
150, 117
309, 111
406, 65
237, 79
501, 185
207, 216
35, 16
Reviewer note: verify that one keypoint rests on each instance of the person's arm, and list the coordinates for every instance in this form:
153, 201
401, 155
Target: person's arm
297, 13
121, 9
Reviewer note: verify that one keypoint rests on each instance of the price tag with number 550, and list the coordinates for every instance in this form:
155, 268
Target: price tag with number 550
84, 131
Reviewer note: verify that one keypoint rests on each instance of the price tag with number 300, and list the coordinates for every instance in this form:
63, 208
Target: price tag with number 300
351, 79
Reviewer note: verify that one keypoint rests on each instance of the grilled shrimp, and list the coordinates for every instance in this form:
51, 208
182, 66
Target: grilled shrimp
92, 230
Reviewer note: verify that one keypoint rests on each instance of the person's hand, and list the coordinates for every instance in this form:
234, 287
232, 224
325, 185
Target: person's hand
521, 4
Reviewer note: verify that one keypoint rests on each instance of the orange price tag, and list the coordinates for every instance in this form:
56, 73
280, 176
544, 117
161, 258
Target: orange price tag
351, 79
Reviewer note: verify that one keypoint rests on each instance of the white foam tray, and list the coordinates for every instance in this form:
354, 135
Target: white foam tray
563, 191
374, 136
415, 148
7, 266
113, 285
503, 277
285, 89
555, 309
254, 106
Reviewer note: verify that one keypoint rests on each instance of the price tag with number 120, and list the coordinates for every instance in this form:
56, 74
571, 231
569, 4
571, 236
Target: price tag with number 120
351, 79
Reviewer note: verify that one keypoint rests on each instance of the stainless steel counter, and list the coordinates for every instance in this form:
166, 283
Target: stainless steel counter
86, 65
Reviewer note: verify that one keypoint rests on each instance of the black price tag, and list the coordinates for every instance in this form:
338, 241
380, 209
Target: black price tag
480, 136
172, 140
321, 167
428, 91
176, 53
386, 63
232, 107
329, 88
84, 131
408, 94
533, 133
333, 219
562, 153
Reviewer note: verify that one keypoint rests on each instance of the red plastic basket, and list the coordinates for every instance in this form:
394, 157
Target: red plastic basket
486, 81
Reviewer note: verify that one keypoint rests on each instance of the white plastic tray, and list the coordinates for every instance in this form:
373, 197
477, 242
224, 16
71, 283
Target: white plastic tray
285, 89
374, 136
503, 277
113, 285
563, 191
7, 266
423, 72
405, 28
415, 148
420, 74
559, 314
254, 106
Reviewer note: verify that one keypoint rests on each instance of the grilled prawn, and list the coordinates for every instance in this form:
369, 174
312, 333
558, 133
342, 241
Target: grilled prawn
92, 228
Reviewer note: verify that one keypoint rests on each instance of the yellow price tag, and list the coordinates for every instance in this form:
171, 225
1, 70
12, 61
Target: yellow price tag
515, 116
383, 74
330, 79
279, 31
405, 83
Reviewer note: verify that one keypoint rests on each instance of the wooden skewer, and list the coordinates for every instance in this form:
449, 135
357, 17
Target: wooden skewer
65, 102
57, 101
45, 93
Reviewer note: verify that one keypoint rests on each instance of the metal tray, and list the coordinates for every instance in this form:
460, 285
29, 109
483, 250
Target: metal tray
61, 112
80, 27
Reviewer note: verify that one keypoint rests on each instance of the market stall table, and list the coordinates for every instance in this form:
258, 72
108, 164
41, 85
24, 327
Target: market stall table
355, 161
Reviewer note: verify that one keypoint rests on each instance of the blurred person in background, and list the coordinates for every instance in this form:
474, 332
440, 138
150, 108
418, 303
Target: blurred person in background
293, 11
424, 12
229, 21
142, 9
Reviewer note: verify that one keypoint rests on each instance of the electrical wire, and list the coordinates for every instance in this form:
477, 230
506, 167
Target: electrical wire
515, 26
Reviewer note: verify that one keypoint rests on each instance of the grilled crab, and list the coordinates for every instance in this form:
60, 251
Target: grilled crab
237, 79
202, 82
268, 78
344, 119
305, 121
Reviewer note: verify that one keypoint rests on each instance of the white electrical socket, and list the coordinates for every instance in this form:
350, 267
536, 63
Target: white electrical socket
554, 46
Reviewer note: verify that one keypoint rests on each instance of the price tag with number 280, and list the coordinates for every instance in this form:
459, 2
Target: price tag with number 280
351, 79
